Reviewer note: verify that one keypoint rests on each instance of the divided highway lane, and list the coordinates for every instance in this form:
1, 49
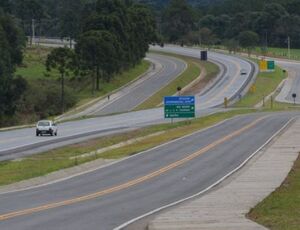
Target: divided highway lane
231, 85
292, 84
108, 197
17, 143
128, 101
129, 97
23, 142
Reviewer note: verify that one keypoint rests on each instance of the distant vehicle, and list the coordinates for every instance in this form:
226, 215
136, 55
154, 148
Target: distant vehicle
243, 72
46, 127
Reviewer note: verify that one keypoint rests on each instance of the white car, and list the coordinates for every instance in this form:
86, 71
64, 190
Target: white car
46, 127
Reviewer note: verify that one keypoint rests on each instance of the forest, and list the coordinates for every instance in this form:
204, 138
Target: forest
222, 22
111, 36
114, 35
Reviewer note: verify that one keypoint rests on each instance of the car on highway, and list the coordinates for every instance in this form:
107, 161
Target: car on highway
243, 72
46, 127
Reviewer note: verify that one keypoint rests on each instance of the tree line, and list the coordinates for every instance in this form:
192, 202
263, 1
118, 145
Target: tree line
270, 22
115, 36
12, 41
111, 36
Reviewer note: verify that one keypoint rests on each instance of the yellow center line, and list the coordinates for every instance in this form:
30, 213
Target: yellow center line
132, 182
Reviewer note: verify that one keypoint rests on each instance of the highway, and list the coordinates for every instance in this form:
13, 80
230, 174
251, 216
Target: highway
137, 93
111, 196
231, 84
292, 84
22, 142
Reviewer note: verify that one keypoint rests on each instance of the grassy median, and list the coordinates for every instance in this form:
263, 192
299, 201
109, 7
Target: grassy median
265, 84
194, 68
66, 157
281, 210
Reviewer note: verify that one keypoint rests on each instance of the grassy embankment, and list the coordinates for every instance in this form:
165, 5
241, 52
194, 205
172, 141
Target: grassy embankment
192, 72
279, 53
13, 171
44, 163
34, 69
281, 210
265, 84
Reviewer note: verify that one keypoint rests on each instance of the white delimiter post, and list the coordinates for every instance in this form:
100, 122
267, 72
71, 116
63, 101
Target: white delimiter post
289, 47
33, 32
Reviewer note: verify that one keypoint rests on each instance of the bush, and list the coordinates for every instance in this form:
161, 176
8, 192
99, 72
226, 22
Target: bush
43, 99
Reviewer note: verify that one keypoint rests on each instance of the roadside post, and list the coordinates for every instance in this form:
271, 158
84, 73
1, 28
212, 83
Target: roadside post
294, 95
225, 102
272, 102
179, 107
179, 90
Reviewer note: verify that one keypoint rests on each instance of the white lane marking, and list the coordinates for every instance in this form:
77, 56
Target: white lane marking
208, 188
118, 161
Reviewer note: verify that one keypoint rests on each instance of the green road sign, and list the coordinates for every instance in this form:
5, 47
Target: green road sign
271, 65
180, 107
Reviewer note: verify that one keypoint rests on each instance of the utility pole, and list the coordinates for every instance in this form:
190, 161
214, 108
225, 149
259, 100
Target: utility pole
33, 31
289, 47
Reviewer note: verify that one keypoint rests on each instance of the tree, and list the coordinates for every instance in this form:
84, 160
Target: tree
232, 45
207, 37
98, 52
143, 30
248, 40
5, 5
178, 20
62, 59
28, 10
131, 24
70, 16
11, 45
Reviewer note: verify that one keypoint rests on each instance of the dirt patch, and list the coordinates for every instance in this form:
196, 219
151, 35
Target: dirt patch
204, 79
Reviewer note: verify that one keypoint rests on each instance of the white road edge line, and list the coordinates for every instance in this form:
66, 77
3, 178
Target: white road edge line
118, 161
211, 186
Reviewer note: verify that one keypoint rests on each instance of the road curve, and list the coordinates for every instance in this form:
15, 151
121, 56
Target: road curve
108, 197
22, 142
292, 83
164, 69
231, 84
172, 68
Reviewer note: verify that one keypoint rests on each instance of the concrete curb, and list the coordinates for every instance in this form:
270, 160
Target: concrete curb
278, 89
226, 207
75, 113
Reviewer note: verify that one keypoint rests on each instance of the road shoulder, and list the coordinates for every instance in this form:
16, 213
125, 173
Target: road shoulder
226, 206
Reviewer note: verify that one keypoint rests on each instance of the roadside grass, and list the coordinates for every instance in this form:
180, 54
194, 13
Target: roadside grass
281, 210
279, 52
84, 91
33, 66
189, 75
33, 69
265, 84
66, 157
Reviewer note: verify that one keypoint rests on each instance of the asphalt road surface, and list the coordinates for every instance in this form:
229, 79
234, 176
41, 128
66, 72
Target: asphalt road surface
163, 70
231, 84
22, 142
292, 84
108, 197
172, 68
